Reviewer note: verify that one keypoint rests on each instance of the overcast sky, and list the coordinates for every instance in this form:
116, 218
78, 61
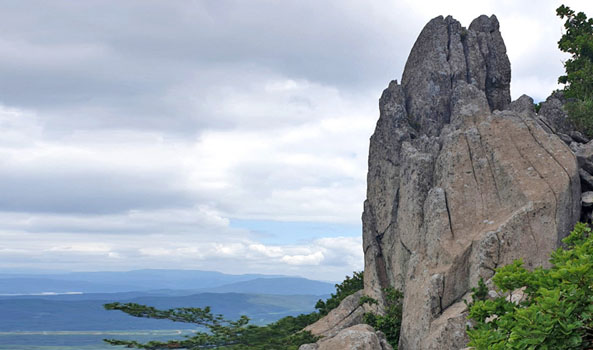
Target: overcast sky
215, 135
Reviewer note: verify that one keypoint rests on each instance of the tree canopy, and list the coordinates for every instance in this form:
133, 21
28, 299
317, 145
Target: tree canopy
216, 332
577, 40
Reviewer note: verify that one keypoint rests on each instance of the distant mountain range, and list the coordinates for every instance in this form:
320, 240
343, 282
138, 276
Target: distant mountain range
163, 282
38, 302
74, 313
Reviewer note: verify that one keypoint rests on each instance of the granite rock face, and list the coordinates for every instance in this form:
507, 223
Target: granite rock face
460, 181
554, 116
358, 337
445, 53
347, 314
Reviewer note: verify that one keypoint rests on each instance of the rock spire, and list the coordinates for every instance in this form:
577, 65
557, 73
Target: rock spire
460, 181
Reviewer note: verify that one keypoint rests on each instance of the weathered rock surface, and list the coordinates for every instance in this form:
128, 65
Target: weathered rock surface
347, 314
444, 53
587, 198
585, 157
553, 114
460, 180
358, 337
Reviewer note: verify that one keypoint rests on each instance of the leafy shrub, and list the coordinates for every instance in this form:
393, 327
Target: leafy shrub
349, 286
580, 113
478, 293
577, 40
390, 322
544, 308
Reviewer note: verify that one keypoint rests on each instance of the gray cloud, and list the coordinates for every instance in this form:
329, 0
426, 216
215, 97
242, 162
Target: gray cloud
86, 193
166, 65
107, 64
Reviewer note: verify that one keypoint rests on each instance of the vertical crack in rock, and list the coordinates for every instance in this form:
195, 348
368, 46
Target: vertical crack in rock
471, 161
448, 40
442, 287
404, 245
489, 162
535, 242
381, 267
464, 34
449, 215
546, 150
539, 174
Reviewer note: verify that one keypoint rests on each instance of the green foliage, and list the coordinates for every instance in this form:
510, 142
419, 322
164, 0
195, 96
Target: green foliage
555, 308
481, 292
365, 299
577, 40
348, 287
390, 322
478, 293
581, 114
220, 333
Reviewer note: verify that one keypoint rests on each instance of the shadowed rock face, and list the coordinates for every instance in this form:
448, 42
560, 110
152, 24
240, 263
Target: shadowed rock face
460, 181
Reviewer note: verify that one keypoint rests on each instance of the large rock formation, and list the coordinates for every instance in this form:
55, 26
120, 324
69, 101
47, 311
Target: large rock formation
460, 181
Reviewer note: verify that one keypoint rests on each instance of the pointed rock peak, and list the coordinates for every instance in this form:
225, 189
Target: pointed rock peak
446, 54
485, 24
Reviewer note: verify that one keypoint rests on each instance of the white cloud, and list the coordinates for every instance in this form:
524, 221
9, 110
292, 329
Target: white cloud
135, 144
300, 259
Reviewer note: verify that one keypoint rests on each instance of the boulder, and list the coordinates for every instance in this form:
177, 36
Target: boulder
578, 137
586, 179
585, 157
358, 337
565, 138
587, 198
553, 113
524, 104
347, 314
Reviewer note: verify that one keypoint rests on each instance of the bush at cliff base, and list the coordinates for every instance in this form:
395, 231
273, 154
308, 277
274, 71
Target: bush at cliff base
349, 286
391, 320
540, 309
